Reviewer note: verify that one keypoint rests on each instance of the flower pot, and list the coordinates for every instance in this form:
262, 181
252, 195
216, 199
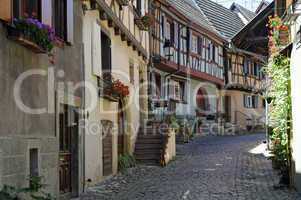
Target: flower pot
283, 37
20, 38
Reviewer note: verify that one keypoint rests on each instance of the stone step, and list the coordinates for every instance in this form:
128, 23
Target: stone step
142, 146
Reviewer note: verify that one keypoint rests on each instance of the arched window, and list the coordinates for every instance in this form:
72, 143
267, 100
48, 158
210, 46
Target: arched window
202, 100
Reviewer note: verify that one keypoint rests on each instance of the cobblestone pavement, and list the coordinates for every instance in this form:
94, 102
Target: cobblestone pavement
209, 168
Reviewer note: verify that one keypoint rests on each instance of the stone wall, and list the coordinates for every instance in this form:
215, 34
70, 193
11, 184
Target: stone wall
21, 131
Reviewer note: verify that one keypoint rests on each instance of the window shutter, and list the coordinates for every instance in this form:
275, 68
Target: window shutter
6, 10
188, 39
47, 12
210, 51
199, 45
70, 21
96, 49
216, 54
245, 100
172, 33
176, 34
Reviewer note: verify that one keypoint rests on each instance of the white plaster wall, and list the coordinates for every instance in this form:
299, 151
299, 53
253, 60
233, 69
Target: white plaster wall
191, 106
296, 108
93, 142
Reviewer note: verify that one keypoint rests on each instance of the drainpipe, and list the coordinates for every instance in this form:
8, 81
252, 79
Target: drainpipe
84, 122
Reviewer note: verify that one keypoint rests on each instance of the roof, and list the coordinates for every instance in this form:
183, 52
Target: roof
257, 23
263, 4
225, 21
190, 10
249, 15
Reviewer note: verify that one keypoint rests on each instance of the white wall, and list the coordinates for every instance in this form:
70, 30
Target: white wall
296, 100
191, 106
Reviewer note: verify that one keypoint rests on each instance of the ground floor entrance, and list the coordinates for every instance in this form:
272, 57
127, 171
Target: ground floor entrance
68, 151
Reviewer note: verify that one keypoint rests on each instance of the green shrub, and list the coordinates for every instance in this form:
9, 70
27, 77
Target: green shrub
126, 161
34, 191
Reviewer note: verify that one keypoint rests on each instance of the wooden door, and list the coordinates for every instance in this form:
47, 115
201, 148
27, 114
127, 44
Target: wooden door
228, 108
68, 154
107, 147
65, 151
121, 130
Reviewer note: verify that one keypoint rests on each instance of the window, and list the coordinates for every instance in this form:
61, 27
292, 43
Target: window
158, 85
132, 73
213, 52
177, 90
194, 44
31, 8
33, 164
106, 53
167, 31
246, 67
60, 18
138, 7
251, 101
200, 45
26, 9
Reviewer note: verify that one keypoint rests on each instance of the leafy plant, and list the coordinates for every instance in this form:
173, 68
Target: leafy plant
34, 191
126, 161
280, 114
41, 34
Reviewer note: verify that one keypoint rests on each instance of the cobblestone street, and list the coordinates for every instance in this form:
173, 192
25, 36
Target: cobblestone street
209, 168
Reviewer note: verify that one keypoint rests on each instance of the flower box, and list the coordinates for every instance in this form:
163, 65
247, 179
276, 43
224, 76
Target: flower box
17, 36
32, 34
113, 89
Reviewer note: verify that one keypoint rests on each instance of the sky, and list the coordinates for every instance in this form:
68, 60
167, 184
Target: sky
249, 4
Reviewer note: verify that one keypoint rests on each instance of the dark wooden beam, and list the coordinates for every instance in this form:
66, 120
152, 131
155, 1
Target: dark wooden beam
117, 22
123, 37
102, 15
116, 30
110, 23
259, 39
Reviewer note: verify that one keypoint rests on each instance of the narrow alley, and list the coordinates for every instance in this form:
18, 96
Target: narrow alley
209, 168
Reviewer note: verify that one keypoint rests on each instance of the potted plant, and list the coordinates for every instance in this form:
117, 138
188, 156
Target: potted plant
33, 34
114, 88
144, 22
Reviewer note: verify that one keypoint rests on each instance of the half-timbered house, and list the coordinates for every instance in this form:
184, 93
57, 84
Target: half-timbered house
243, 75
188, 65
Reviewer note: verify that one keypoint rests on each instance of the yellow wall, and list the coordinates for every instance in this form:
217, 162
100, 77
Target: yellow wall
239, 113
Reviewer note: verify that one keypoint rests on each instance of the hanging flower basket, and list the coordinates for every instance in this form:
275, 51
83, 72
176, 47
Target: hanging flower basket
32, 34
114, 88
144, 22
283, 36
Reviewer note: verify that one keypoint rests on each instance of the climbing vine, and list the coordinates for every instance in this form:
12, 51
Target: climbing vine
279, 73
